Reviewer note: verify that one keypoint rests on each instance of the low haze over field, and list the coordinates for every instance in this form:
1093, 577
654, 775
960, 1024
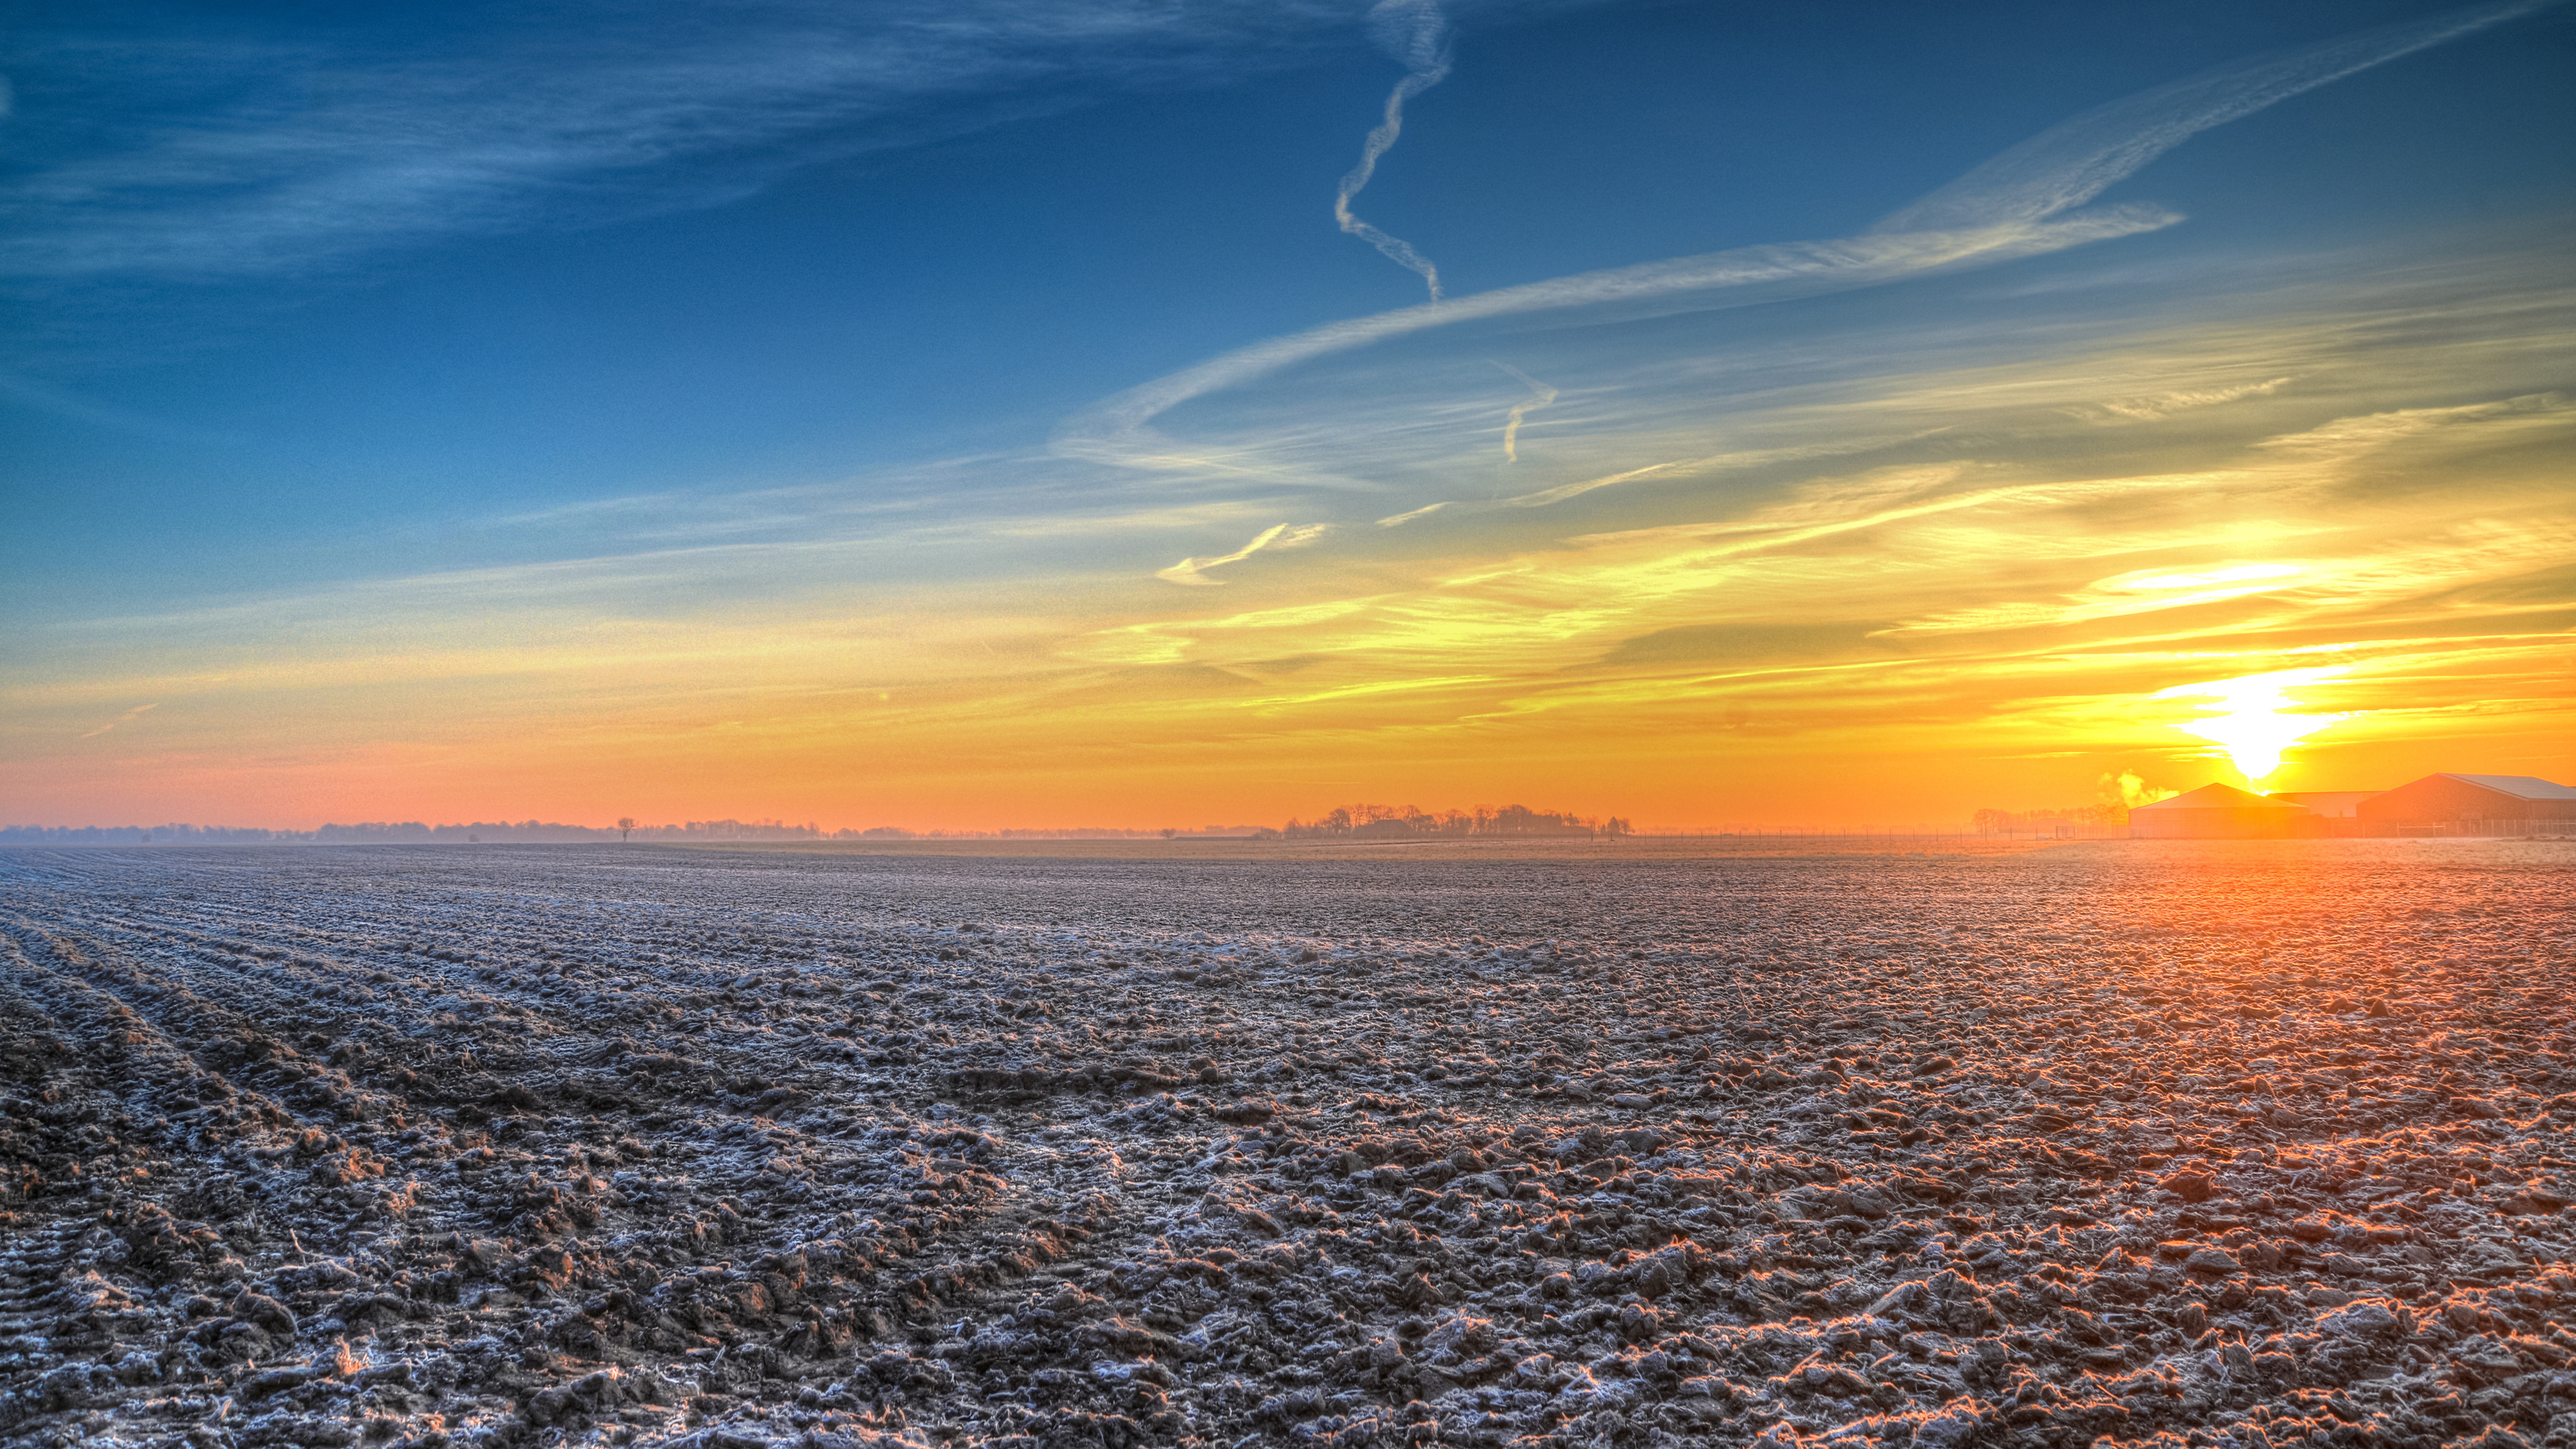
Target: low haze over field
996, 414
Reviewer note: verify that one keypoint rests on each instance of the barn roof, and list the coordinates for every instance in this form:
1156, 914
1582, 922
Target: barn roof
2524, 787
2338, 804
2218, 797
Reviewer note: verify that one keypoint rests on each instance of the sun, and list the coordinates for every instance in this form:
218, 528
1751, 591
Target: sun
2253, 726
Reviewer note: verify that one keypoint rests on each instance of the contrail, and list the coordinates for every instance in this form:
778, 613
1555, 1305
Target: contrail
1414, 32
2016, 205
120, 719
1540, 396
1399, 519
1119, 428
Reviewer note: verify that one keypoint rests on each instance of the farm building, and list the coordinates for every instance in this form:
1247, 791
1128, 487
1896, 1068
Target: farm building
2454, 800
2332, 804
2222, 812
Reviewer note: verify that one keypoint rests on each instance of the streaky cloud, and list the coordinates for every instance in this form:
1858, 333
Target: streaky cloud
1692, 466
2070, 164
61, 403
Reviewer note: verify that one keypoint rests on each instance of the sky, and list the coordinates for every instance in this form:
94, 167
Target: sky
1012, 413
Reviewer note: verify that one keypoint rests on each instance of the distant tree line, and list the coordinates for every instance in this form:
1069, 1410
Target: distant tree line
1360, 822
2050, 822
547, 832
541, 832
1398, 822
145, 835
407, 832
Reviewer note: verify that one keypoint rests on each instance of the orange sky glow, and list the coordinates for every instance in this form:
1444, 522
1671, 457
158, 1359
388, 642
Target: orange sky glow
2122, 559
2003, 500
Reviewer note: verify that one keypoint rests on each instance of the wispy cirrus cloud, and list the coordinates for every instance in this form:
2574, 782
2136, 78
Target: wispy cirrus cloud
1541, 395
213, 148
1193, 571
1936, 548
2022, 203
2070, 164
2159, 406
1120, 429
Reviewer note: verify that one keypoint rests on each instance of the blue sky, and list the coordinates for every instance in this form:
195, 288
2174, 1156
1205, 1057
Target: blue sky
352, 338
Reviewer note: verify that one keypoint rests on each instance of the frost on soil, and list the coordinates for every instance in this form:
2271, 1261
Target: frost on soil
2255, 1145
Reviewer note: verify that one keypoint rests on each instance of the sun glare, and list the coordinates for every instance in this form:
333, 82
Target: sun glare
2254, 725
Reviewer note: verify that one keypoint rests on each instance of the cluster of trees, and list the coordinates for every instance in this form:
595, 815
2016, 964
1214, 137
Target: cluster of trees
1395, 822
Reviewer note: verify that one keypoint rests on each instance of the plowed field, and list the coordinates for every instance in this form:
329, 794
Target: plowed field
2264, 1143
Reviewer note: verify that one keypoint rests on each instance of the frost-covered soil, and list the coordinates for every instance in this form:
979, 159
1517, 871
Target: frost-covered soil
2261, 1143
